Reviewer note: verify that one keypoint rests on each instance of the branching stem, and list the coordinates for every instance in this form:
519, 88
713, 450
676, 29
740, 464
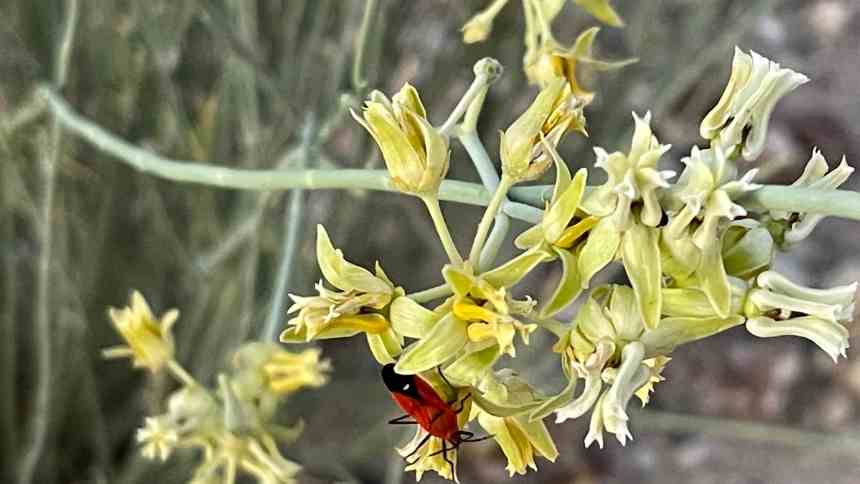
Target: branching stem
441, 226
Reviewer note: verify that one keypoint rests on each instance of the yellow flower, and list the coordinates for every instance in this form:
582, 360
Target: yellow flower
560, 232
553, 61
429, 457
553, 112
473, 328
478, 28
287, 372
158, 437
149, 340
415, 152
601, 10
359, 305
519, 437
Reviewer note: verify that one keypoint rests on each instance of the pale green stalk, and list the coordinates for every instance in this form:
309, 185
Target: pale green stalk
476, 92
841, 203
42, 324
490, 178
441, 226
293, 223
430, 294
359, 81
487, 220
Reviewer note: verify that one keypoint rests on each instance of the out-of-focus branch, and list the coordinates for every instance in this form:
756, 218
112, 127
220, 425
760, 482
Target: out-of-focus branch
41, 413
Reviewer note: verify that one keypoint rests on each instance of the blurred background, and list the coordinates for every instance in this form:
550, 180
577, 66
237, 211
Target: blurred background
233, 82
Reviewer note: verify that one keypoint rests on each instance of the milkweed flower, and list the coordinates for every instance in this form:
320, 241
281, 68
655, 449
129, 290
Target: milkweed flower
415, 153
519, 438
628, 208
478, 28
158, 438
473, 328
777, 306
799, 225
618, 357
553, 113
359, 304
149, 339
704, 196
738, 123
560, 232
552, 61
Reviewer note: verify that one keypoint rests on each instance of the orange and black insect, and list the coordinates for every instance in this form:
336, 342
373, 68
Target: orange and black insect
427, 409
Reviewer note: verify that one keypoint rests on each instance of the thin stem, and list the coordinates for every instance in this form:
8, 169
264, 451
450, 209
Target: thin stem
42, 324
441, 226
430, 294
478, 89
494, 243
490, 178
359, 82
293, 222
552, 325
179, 372
654, 421
840, 203
487, 220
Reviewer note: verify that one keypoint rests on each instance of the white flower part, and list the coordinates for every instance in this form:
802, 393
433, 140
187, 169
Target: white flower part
595, 426
814, 175
631, 177
586, 400
706, 191
630, 377
158, 437
740, 119
818, 315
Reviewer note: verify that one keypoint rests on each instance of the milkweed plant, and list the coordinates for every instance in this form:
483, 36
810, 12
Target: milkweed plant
698, 249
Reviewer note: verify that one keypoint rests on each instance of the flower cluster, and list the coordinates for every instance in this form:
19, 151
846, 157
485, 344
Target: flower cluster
232, 425
698, 258
546, 59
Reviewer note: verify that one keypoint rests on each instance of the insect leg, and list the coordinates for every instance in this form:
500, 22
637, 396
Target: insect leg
445, 450
470, 439
400, 421
445, 379
462, 402
416, 449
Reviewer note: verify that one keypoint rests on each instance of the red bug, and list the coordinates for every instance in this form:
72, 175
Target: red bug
436, 416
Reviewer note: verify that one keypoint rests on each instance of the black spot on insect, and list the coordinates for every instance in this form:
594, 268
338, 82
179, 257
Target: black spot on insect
400, 384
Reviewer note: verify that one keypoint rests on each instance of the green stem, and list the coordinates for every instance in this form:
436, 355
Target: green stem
490, 178
42, 325
359, 82
554, 326
430, 294
487, 220
441, 226
487, 70
180, 374
293, 221
840, 203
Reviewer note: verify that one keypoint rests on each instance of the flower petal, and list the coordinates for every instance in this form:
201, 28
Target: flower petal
447, 337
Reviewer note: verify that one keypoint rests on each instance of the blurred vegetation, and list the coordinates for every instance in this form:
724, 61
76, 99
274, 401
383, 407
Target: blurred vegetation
234, 82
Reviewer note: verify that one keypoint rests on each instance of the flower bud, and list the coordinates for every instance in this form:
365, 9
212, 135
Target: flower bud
415, 153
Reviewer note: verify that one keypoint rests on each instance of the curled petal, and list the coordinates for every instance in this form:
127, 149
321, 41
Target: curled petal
829, 336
